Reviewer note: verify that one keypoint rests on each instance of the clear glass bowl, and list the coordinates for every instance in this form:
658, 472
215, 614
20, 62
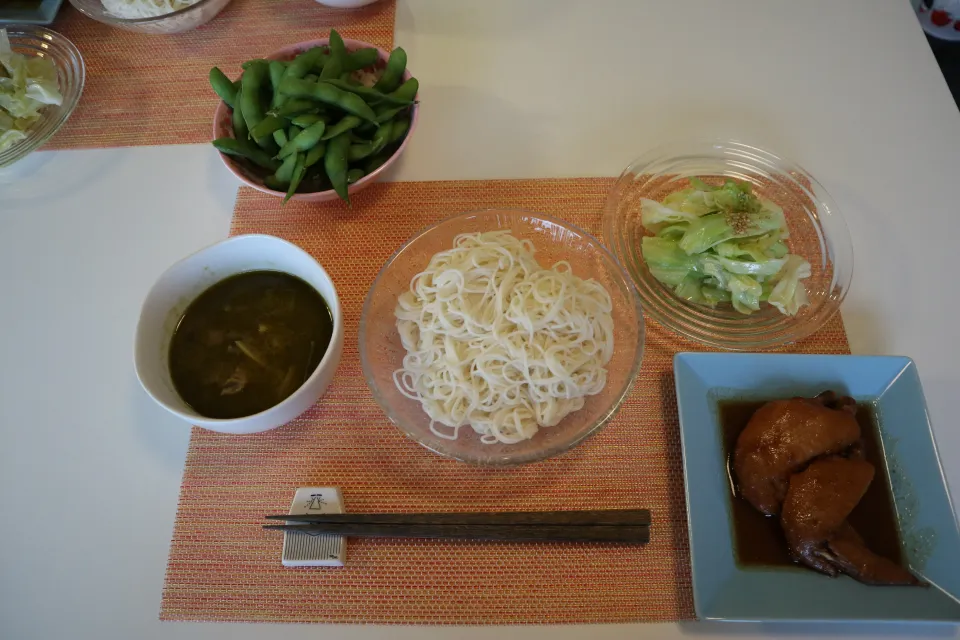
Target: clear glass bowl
381, 352
44, 43
176, 22
817, 232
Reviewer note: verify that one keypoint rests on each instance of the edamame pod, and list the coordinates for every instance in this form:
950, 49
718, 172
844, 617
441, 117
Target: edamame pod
243, 149
304, 141
335, 164
368, 94
223, 87
328, 94
356, 60
345, 124
393, 74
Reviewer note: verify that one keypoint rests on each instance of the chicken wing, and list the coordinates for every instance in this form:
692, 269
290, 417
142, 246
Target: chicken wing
782, 437
814, 519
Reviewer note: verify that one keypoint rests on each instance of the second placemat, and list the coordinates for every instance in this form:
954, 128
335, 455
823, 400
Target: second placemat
146, 89
223, 567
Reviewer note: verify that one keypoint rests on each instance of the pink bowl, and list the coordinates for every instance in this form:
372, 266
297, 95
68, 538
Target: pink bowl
223, 127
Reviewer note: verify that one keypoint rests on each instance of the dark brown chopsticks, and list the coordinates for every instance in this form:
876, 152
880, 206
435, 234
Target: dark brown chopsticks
627, 525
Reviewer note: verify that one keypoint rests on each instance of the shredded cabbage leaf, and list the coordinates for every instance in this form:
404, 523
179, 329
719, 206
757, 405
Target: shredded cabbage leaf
27, 85
723, 245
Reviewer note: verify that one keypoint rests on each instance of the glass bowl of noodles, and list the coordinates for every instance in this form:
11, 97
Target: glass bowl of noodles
151, 16
501, 337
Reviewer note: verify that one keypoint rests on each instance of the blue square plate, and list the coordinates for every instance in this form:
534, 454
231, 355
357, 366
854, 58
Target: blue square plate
27, 12
722, 589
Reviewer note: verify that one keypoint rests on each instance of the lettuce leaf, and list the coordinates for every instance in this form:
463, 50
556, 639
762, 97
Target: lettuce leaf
666, 261
674, 231
789, 294
744, 293
27, 85
760, 270
712, 296
692, 201
723, 244
715, 228
689, 289
655, 216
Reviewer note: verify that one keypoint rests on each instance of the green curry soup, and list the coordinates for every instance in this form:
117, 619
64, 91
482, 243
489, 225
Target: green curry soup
248, 342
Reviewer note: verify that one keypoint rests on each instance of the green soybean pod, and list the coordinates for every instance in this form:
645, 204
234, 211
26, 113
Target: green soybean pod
240, 131
335, 164
223, 86
338, 52
285, 173
295, 107
303, 141
356, 60
407, 91
271, 182
363, 149
243, 149
375, 162
305, 120
360, 150
393, 73
267, 126
328, 94
299, 170
400, 127
249, 63
320, 62
276, 69
368, 94
303, 63
316, 154
354, 174
250, 95
386, 113
345, 124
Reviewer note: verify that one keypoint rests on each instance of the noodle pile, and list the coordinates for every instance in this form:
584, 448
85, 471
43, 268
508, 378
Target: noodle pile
133, 9
496, 342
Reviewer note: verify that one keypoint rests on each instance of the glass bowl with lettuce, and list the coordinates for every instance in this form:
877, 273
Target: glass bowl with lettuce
41, 79
729, 245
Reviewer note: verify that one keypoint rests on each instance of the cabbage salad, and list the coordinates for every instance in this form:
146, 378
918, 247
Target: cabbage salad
134, 9
27, 85
723, 244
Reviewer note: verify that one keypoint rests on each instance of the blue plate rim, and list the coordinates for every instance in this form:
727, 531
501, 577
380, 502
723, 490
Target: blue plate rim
905, 363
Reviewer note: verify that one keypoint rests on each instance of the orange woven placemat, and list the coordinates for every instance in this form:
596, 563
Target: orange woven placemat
224, 567
146, 89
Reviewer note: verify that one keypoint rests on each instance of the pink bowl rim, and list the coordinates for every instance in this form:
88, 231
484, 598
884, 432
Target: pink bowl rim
329, 194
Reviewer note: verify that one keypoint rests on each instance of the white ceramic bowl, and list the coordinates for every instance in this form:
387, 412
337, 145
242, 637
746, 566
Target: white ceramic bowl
185, 280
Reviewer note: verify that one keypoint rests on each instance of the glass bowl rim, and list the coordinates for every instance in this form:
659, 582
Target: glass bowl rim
542, 454
21, 33
839, 239
137, 21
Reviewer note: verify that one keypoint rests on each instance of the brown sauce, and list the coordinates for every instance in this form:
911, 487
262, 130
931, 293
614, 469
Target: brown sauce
248, 342
759, 540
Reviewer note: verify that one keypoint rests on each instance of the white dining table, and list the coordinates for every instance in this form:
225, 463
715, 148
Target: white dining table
90, 467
